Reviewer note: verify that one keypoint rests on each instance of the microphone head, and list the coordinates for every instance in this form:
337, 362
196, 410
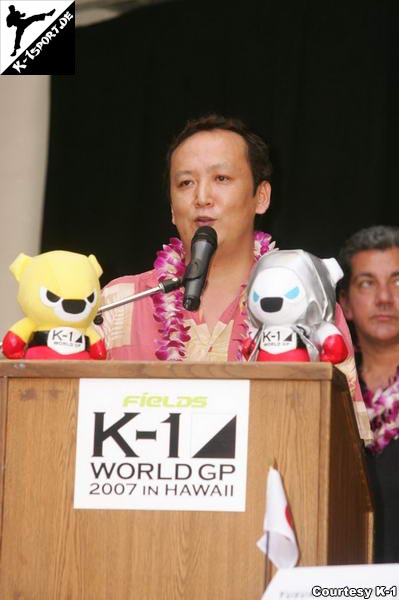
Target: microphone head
207, 234
203, 246
191, 303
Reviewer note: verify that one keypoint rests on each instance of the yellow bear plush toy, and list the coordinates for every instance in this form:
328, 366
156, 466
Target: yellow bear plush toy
59, 292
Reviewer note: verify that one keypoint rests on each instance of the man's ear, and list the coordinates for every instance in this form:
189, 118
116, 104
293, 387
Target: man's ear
345, 303
263, 194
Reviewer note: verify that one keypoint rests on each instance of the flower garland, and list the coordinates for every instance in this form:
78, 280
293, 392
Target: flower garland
383, 412
168, 308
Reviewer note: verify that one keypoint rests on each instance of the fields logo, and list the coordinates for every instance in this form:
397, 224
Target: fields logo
157, 401
37, 37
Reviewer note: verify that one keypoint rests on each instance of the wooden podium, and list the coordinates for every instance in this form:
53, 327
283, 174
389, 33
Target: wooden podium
300, 418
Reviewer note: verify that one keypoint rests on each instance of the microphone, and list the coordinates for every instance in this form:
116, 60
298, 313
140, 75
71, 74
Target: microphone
203, 245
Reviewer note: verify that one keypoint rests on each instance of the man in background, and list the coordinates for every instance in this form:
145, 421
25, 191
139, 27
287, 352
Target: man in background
370, 299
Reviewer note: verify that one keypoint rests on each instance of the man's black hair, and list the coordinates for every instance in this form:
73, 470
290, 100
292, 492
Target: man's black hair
378, 237
258, 149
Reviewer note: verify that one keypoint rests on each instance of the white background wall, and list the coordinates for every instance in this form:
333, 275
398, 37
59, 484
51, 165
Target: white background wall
24, 124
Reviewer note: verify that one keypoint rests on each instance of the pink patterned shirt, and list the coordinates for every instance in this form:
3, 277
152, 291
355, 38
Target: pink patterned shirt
131, 331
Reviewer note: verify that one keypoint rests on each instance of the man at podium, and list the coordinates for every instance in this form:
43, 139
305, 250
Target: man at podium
219, 176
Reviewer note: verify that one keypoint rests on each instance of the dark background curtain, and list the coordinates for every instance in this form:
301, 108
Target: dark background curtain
317, 79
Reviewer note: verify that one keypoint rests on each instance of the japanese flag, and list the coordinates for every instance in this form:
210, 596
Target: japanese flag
278, 540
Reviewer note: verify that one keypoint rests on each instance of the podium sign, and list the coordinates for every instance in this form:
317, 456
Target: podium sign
162, 444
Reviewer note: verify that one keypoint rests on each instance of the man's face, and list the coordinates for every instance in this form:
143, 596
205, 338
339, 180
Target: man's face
372, 301
211, 184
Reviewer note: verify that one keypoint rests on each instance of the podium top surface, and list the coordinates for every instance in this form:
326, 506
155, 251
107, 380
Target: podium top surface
184, 370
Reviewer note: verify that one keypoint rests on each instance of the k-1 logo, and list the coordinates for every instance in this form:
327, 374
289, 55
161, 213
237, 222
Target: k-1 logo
165, 437
278, 339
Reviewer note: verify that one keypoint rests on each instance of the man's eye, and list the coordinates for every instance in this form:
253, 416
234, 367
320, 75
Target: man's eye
184, 183
222, 178
365, 283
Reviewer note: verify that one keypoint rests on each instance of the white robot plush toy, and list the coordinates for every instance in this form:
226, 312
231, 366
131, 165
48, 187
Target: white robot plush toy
291, 305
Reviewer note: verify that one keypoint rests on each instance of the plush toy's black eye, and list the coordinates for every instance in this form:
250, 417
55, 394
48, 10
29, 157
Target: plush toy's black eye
52, 297
90, 298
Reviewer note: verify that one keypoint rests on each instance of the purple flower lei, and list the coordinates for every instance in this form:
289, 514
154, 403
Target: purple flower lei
168, 308
383, 412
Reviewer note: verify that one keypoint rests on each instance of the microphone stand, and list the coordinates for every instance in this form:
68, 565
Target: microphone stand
168, 285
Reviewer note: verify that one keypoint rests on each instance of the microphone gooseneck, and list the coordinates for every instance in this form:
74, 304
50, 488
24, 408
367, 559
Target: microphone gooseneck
203, 246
